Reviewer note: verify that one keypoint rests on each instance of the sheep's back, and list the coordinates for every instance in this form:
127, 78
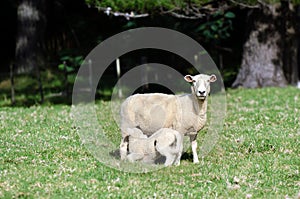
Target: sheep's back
149, 112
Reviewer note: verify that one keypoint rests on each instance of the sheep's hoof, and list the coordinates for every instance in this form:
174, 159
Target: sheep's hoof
196, 161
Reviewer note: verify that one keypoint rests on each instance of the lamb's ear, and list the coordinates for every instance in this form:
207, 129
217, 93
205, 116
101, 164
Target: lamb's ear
126, 139
213, 78
188, 78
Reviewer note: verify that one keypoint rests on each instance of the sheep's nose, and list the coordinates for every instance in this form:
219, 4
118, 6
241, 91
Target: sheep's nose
201, 92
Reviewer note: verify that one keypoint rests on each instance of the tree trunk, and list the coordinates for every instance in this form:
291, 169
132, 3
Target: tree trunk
30, 30
270, 49
290, 36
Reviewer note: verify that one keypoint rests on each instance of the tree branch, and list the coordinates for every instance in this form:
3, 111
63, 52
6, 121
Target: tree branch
182, 16
191, 11
260, 4
244, 5
108, 11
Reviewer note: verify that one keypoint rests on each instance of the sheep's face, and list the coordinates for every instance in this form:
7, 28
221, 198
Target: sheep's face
201, 84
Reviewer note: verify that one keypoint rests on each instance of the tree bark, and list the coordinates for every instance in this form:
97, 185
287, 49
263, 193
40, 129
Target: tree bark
290, 37
270, 50
30, 31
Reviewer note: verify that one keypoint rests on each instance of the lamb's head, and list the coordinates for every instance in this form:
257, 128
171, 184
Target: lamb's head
135, 132
201, 84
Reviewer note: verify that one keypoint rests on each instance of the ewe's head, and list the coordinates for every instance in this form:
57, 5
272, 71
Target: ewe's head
201, 84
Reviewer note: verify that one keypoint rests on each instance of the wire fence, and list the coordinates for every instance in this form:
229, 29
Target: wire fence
64, 89
8, 81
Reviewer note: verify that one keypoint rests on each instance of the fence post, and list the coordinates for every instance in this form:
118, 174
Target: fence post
38, 71
118, 67
66, 79
90, 64
90, 86
12, 82
144, 75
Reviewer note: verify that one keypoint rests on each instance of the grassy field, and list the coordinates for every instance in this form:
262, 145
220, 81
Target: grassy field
257, 155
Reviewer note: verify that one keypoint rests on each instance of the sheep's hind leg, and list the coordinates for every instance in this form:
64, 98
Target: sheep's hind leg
194, 147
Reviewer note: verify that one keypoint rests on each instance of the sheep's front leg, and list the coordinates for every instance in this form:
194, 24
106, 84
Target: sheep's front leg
194, 147
124, 148
123, 151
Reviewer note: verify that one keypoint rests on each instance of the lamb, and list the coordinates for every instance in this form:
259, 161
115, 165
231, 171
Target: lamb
183, 113
164, 142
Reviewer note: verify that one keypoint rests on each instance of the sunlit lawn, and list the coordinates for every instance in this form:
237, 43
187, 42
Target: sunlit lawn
257, 155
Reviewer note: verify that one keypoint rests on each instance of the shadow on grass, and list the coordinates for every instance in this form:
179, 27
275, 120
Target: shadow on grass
187, 156
161, 160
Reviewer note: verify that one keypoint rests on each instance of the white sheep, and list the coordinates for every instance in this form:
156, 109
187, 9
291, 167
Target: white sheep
183, 113
164, 142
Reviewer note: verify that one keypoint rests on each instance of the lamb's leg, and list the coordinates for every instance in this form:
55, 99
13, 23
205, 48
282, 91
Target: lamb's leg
167, 152
180, 149
134, 157
194, 147
148, 159
177, 160
170, 158
177, 156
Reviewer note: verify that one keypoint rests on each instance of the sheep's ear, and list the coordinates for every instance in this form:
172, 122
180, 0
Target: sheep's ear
188, 78
213, 78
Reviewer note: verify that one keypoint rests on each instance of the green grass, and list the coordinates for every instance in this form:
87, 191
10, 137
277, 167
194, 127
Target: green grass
258, 155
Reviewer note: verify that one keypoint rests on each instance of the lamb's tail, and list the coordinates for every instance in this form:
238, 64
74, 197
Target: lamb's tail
177, 144
174, 147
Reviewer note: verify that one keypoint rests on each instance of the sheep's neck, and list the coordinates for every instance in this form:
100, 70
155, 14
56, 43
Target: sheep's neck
200, 107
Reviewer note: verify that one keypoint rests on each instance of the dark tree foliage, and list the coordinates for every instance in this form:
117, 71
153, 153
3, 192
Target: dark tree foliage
269, 55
